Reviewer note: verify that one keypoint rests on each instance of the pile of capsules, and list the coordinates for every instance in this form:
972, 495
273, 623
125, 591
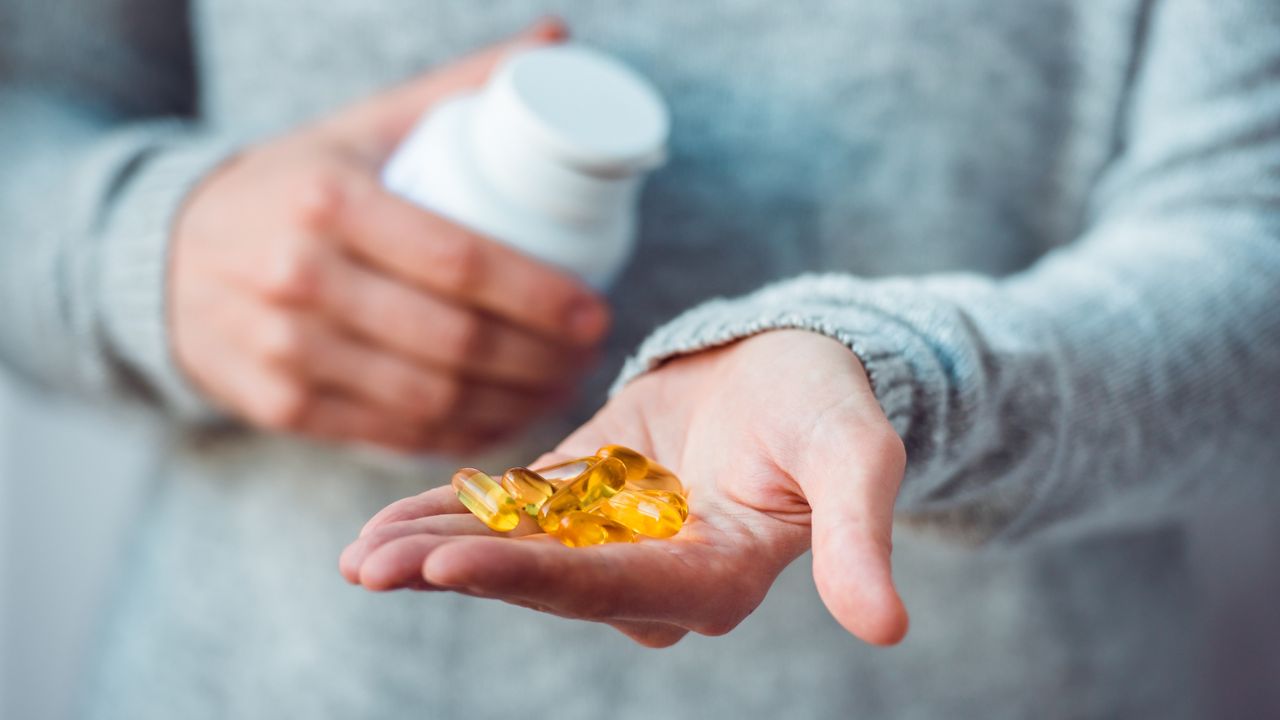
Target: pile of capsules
610, 497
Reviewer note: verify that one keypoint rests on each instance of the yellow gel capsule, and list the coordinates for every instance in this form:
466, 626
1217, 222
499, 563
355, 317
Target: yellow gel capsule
556, 507
637, 464
486, 499
527, 487
601, 480
644, 511
675, 500
565, 471
658, 477
579, 529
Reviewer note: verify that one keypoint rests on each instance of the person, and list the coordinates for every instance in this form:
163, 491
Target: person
1049, 325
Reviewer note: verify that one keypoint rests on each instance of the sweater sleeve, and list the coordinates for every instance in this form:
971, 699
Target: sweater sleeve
1121, 374
100, 146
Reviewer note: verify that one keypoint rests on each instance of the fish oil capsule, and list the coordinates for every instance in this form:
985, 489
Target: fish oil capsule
657, 477
528, 488
637, 464
486, 499
556, 507
579, 529
675, 500
601, 480
644, 511
565, 471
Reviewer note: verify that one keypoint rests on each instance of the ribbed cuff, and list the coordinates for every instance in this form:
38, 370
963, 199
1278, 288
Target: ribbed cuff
135, 260
804, 303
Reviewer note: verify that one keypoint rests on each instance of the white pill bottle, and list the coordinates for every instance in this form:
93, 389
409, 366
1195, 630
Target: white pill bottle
548, 157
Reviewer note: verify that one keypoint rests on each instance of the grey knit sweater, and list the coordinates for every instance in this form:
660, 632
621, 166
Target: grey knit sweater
1051, 231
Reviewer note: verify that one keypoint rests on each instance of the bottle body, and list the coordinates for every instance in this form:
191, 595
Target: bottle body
501, 163
437, 167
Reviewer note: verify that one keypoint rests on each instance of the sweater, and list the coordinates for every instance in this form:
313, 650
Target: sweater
1050, 231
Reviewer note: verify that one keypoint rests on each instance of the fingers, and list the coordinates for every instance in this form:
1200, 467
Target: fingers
423, 328
429, 329
310, 352
852, 493
437, 501
646, 581
422, 395
286, 406
378, 123
435, 255
391, 556
275, 398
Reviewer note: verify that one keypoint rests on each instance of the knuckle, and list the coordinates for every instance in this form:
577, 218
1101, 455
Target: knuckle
885, 445
407, 388
297, 273
286, 407
319, 198
449, 400
459, 263
466, 338
378, 303
281, 340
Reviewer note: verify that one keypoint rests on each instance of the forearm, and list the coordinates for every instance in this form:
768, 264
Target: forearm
86, 205
1129, 370
1102, 375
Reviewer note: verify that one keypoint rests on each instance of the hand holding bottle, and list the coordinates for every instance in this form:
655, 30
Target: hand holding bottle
304, 297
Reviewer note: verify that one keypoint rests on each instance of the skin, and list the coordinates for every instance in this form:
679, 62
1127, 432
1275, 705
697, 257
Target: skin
783, 446
306, 298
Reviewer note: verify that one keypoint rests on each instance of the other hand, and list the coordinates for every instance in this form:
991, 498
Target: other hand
305, 297
782, 445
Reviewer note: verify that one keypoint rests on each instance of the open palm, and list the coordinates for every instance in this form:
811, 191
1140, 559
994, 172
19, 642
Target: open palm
781, 444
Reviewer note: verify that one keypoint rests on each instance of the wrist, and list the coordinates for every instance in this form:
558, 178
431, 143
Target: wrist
134, 267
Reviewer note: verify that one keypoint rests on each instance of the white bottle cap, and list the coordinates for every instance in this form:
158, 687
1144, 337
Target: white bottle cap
581, 108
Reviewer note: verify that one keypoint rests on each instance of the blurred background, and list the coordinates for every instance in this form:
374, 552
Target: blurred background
69, 484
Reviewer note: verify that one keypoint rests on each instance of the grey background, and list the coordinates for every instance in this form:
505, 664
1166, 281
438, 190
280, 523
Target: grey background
69, 485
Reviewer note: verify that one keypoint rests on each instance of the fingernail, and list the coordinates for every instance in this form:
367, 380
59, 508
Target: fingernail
587, 320
549, 27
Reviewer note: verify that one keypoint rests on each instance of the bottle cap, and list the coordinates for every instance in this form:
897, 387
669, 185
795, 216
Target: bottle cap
581, 107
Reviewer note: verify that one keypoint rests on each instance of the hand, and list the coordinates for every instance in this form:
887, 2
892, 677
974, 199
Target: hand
305, 297
781, 443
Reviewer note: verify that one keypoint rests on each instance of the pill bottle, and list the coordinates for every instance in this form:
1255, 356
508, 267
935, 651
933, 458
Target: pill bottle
548, 157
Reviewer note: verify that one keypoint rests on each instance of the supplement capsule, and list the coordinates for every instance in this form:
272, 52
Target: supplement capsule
565, 471
601, 480
658, 477
675, 500
486, 499
644, 511
528, 488
637, 464
578, 529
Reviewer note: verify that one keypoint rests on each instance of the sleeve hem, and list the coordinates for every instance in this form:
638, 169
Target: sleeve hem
720, 322
135, 259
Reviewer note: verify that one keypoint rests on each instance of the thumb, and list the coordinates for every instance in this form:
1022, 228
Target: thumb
852, 493
376, 125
